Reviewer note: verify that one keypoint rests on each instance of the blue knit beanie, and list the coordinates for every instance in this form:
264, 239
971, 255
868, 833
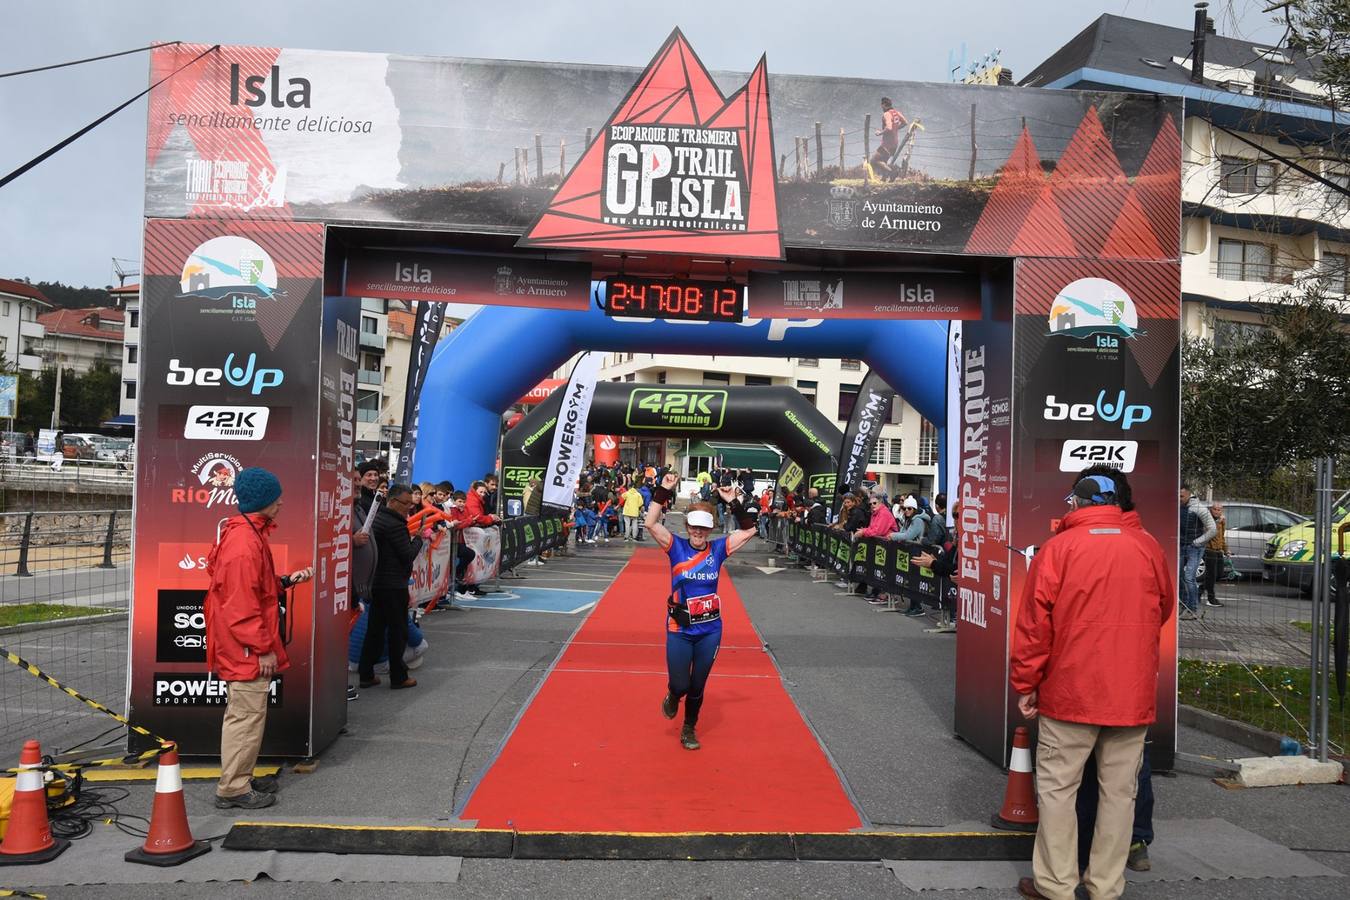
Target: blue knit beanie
256, 488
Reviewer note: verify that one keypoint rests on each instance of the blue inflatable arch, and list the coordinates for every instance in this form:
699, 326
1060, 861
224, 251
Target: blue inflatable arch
501, 352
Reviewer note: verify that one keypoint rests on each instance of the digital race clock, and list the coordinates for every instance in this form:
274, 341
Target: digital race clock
674, 298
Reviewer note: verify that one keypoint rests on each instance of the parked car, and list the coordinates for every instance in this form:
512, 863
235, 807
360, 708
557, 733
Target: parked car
1250, 527
78, 446
114, 449
1288, 557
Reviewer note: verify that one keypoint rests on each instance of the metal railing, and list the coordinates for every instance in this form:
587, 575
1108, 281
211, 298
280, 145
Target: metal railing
31, 473
1270, 273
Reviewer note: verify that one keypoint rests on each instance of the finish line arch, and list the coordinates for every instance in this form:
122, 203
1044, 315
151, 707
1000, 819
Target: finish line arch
500, 352
775, 414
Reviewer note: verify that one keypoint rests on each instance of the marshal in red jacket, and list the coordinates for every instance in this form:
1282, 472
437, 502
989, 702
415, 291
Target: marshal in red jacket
478, 514
1087, 633
242, 619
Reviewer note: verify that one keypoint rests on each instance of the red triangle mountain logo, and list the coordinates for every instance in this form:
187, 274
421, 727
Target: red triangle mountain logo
678, 168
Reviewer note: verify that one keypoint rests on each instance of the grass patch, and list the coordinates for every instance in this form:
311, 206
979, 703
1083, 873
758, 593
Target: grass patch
1229, 690
28, 613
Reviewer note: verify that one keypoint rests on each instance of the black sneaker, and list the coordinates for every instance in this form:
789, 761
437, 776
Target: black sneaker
251, 800
352, 693
267, 784
1138, 859
687, 738
669, 706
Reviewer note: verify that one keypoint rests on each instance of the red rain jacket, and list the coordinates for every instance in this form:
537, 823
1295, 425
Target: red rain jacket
478, 515
1086, 636
242, 620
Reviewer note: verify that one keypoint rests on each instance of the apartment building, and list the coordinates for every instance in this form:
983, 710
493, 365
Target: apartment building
21, 333
1253, 224
80, 339
128, 297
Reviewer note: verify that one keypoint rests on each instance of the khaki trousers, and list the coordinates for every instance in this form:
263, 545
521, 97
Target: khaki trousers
241, 735
1062, 750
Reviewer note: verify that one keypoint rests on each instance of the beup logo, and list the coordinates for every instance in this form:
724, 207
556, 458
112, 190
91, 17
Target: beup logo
237, 375
659, 409
679, 168
1091, 306
1107, 410
231, 275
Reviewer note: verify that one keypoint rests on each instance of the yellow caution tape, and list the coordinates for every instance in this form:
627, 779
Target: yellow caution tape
164, 744
15, 892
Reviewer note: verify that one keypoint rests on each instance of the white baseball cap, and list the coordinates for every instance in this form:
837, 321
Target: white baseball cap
699, 518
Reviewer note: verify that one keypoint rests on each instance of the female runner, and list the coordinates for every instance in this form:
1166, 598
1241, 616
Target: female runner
693, 609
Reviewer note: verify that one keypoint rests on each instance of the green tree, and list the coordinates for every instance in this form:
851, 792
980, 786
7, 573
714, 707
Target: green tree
1270, 399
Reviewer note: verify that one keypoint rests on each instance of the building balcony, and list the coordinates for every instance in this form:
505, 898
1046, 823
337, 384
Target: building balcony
373, 340
365, 376
29, 362
1267, 273
35, 330
367, 415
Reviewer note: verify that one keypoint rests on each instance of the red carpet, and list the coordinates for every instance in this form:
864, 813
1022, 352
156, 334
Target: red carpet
593, 752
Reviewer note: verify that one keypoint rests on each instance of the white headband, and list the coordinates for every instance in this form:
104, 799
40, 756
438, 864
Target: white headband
699, 518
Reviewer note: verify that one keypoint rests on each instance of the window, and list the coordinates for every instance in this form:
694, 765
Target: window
7, 305
928, 444
631, 376
848, 398
854, 365
1240, 517
808, 390
1245, 261
132, 355
370, 325
1336, 270
1229, 333
761, 380
661, 377
717, 378
134, 320
887, 452
1245, 176
808, 361
129, 389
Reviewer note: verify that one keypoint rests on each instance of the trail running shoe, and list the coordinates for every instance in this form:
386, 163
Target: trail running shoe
251, 800
687, 738
669, 706
1138, 859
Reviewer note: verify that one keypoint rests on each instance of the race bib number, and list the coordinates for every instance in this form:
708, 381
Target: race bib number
704, 609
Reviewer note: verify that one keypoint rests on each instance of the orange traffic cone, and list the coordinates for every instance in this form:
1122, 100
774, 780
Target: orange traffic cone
1019, 811
29, 837
170, 840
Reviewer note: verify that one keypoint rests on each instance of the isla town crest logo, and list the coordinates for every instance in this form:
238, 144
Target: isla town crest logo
678, 168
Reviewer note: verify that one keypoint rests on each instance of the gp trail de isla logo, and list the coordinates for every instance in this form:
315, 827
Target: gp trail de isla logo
678, 168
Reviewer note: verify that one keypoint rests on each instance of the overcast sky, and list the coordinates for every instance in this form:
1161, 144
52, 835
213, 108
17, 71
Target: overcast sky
66, 219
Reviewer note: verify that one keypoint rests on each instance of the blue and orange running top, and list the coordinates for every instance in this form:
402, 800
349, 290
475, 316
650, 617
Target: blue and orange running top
693, 576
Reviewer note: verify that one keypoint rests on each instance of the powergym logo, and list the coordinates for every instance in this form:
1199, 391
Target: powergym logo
200, 689
230, 276
1096, 307
656, 409
680, 168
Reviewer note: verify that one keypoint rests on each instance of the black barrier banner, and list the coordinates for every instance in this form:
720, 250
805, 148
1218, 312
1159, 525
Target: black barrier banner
525, 537
871, 410
426, 332
875, 562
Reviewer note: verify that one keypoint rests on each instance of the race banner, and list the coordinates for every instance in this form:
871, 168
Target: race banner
871, 410
486, 543
863, 295
790, 476
431, 570
569, 437
951, 475
457, 278
426, 332
878, 563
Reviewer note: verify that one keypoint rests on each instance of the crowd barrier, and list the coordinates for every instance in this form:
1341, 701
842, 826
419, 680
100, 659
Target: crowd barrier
875, 562
502, 547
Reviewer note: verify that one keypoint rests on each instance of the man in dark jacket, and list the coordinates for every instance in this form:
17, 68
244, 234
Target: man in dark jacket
244, 646
389, 589
1085, 661
368, 481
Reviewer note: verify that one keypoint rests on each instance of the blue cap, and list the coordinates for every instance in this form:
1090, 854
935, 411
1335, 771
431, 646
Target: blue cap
1096, 489
256, 488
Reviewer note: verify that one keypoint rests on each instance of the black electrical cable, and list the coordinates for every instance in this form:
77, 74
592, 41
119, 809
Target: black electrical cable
44, 155
77, 62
